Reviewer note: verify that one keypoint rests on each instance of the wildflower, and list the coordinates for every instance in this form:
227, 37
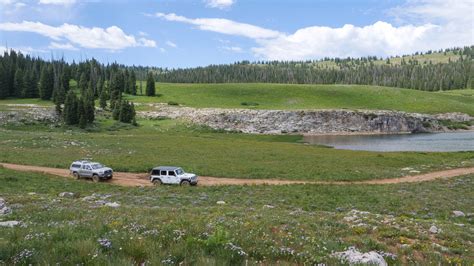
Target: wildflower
236, 249
24, 254
105, 243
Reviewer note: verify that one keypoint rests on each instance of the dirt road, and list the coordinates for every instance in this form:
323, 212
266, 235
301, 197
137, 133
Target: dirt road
135, 179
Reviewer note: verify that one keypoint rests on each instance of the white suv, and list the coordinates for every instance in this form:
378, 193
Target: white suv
172, 175
87, 169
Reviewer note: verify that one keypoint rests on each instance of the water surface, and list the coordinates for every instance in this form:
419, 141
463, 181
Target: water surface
457, 141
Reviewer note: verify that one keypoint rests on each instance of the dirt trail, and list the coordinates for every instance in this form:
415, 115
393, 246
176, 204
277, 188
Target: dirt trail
135, 179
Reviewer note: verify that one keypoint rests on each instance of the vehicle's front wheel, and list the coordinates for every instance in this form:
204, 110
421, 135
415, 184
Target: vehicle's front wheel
156, 182
95, 178
185, 183
76, 175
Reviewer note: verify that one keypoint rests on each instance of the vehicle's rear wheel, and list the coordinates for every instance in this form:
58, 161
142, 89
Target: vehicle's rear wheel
185, 183
76, 175
95, 178
156, 182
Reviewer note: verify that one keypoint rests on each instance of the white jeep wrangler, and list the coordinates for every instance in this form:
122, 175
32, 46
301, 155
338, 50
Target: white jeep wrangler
87, 169
172, 175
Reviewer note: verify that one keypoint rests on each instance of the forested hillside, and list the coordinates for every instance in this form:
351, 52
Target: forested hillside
429, 71
24, 76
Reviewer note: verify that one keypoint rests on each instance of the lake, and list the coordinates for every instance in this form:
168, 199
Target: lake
447, 142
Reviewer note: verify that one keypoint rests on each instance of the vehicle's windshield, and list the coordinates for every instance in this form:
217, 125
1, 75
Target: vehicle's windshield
97, 166
179, 171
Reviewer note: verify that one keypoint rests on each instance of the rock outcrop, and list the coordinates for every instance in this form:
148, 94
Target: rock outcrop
28, 114
303, 121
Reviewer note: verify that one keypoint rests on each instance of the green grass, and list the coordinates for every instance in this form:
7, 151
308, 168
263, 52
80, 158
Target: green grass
299, 224
434, 58
466, 93
14, 103
208, 152
287, 96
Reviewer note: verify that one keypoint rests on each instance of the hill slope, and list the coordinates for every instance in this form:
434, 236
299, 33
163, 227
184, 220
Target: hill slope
287, 96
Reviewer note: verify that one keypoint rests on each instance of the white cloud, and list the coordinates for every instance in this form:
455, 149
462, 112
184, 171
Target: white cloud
224, 26
234, 49
221, 4
57, 2
111, 38
171, 44
23, 49
62, 46
380, 38
425, 25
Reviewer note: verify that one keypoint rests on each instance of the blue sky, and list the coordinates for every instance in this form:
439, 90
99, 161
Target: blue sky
201, 32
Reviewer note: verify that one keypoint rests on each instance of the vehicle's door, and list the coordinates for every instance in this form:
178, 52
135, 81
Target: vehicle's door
82, 170
164, 177
173, 178
86, 170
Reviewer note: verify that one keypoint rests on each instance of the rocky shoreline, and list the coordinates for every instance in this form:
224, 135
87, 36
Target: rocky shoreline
338, 121
307, 122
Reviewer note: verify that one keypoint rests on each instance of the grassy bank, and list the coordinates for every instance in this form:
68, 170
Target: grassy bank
289, 224
208, 152
285, 96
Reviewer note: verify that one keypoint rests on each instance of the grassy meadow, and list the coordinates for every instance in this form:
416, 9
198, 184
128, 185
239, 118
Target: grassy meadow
209, 152
291, 96
298, 224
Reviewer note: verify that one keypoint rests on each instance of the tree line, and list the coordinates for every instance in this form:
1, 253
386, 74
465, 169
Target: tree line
409, 73
23, 76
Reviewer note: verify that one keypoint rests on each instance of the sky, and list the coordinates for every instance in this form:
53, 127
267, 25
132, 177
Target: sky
189, 33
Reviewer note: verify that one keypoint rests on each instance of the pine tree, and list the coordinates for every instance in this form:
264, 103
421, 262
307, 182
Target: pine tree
65, 78
19, 83
132, 83
3, 83
83, 82
103, 99
150, 85
82, 113
31, 85
46, 83
89, 106
70, 113
116, 110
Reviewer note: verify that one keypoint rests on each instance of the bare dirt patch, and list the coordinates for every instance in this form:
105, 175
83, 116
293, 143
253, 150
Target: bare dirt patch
140, 179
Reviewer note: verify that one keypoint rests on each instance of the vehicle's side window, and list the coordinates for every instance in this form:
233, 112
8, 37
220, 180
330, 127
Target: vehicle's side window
171, 173
163, 173
155, 172
84, 166
89, 168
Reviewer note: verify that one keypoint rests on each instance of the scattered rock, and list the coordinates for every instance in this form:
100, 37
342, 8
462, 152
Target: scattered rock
88, 198
4, 209
112, 204
438, 246
414, 171
458, 214
66, 195
353, 256
268, 206
9, 223
220, 202
434, 229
